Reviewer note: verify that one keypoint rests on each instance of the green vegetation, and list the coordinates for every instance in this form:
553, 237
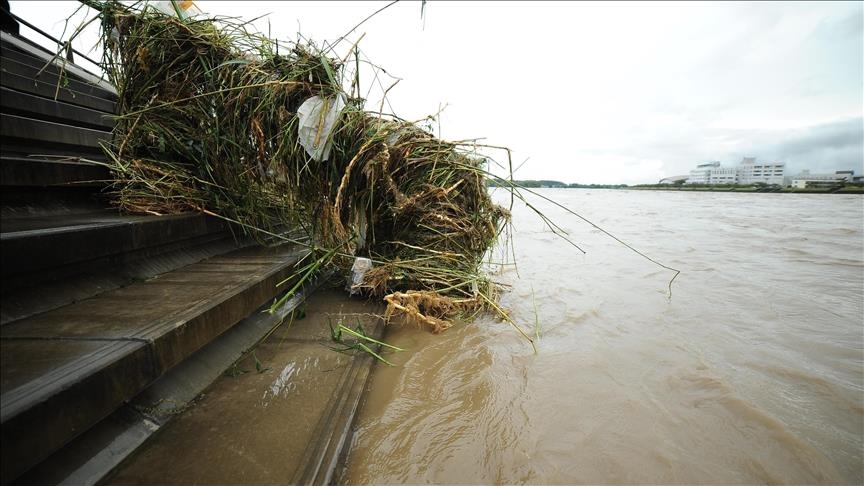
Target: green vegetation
857, 188
360, 341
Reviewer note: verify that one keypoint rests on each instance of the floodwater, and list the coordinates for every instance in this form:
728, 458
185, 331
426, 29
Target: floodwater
751, 373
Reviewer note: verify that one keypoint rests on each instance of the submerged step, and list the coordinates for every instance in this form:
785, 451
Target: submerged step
285, 420
67, 369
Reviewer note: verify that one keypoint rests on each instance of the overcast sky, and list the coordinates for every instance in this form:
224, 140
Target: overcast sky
608, 92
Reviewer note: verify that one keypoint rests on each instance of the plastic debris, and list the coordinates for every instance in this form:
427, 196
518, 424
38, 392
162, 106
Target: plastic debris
317, 117
358, 270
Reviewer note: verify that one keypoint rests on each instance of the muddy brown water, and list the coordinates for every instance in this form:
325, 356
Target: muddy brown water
751, 373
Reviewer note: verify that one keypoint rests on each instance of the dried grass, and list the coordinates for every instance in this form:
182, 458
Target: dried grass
208, 122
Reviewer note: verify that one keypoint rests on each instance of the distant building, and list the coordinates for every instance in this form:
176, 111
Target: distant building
712, 173
724, 175
805, 179
751, 172
702, 173
747, 172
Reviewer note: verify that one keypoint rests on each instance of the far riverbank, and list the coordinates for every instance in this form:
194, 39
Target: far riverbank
795, 190
845, 189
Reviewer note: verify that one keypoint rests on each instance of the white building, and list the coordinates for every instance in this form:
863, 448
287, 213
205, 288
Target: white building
712, 173
724, 175
746, 173
702, 173
751, 172
805, 179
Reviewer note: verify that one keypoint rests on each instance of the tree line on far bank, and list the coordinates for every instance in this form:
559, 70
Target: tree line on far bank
841, 187
533, 184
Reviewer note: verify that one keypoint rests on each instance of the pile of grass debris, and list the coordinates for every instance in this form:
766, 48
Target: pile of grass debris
211, 119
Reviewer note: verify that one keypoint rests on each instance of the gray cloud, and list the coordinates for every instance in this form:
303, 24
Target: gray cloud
842, 133
826, 147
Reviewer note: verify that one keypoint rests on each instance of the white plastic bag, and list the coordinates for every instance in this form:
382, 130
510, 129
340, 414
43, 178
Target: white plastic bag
317, 117
358, 270
182, 8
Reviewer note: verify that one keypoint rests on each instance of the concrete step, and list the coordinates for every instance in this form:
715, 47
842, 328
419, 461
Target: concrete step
52, 133
23, 50
95, 454
41, 172
33, 241
30, 70
61, 250
25, 104
28, 66
50, 90
67, 369
49, 109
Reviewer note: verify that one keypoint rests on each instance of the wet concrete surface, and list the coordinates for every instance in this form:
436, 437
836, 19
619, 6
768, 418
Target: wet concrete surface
268, 417
67, 369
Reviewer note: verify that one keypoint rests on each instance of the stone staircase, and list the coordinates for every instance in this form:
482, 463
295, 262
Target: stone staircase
98, 306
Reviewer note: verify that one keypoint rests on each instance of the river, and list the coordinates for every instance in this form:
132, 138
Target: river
751, 372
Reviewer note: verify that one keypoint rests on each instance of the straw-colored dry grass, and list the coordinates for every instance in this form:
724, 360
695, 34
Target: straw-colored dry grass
208, 122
